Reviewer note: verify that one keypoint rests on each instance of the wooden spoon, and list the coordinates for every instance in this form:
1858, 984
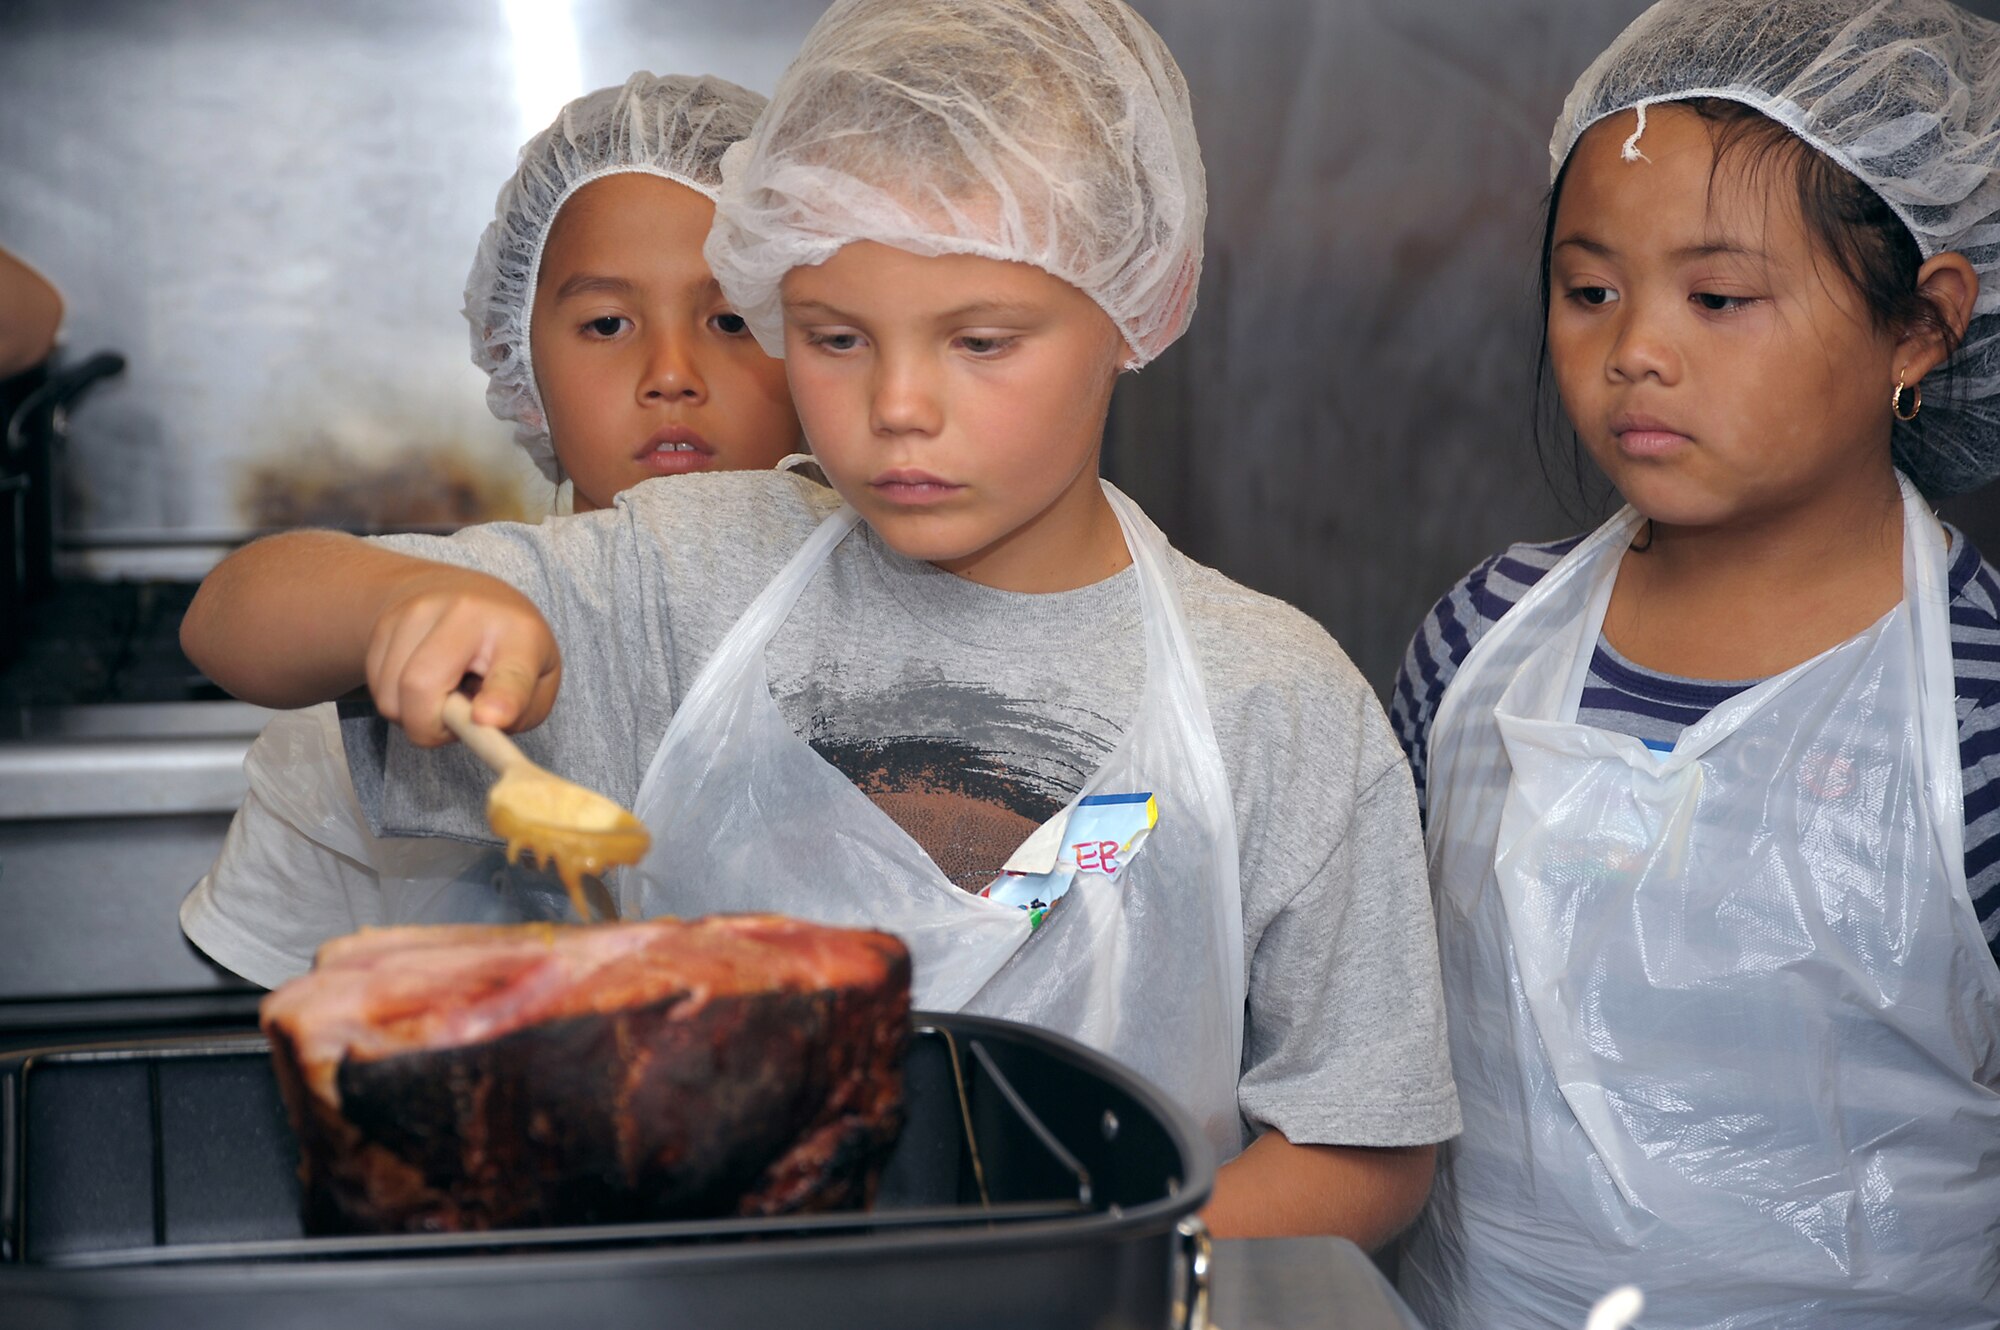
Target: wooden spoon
576, 831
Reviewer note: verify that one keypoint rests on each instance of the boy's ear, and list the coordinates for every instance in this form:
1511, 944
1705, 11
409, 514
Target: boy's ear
1950, 286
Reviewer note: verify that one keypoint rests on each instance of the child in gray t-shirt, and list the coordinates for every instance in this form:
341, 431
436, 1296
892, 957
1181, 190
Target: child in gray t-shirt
609, 347
880, 702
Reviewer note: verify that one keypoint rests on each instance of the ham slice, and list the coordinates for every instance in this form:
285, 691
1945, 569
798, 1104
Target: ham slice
465, 1078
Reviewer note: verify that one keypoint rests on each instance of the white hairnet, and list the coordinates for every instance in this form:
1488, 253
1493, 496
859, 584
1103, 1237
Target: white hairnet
674, 127
1904, 94
1050, 132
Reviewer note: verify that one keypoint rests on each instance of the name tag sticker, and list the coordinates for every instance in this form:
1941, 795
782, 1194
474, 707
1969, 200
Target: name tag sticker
1101, 834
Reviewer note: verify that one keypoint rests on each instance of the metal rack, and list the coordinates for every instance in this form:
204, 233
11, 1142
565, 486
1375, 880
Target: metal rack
176, 1152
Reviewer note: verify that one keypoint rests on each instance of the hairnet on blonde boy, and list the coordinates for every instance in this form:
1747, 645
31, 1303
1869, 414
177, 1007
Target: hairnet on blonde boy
812, 719
1067, 142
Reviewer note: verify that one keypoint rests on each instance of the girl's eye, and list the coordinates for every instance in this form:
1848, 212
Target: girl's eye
1720, 304
987, 347
1592, 295
607, 325
833, 341
730, 325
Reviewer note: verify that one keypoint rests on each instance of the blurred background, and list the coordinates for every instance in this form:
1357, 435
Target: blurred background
267, 209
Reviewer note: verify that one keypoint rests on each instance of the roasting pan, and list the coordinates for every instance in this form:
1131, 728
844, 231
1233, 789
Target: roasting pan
152, 1183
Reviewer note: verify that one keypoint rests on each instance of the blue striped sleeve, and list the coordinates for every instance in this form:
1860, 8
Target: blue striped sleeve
1448, 634
1975, 650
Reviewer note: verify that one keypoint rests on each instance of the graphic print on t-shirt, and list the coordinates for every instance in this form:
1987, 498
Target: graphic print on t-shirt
967, 772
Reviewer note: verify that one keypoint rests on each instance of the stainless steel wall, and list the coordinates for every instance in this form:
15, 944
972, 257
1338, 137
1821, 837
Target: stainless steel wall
270, 206
1348, 423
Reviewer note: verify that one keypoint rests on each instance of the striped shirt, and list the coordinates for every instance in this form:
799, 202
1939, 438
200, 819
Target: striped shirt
1629, 699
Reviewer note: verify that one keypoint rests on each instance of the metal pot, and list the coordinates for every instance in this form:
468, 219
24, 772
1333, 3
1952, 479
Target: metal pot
35, 432
151, 1186
14, 390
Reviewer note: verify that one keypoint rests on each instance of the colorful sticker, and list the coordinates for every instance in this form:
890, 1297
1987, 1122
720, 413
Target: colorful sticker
1101, 834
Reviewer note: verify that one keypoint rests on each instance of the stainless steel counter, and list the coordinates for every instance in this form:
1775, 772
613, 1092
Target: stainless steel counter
108, 814
1302, 1284
125, 759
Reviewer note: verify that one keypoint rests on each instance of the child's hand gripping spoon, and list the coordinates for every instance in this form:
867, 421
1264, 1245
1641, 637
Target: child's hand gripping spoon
576, 831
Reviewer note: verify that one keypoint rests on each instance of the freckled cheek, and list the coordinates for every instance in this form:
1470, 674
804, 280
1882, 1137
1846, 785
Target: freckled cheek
1025, 432
813, 393
830, 411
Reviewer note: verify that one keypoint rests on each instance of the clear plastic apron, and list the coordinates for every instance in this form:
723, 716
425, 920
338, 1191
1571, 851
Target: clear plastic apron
1723, 1021
1146, 965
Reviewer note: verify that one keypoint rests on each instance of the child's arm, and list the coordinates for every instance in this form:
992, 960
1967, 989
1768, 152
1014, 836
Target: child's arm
1277, 1189
307, 616
1346, 1067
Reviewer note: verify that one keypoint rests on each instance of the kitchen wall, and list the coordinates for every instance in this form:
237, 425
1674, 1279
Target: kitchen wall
270, 207
1348, 423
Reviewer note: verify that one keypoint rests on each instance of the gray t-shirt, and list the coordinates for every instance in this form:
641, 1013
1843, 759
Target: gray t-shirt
970, 715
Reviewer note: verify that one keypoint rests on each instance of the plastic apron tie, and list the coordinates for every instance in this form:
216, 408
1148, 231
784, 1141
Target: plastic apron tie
1723, 1020
1146, 966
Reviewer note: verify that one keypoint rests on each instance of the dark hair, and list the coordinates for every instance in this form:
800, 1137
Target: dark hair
1847, 222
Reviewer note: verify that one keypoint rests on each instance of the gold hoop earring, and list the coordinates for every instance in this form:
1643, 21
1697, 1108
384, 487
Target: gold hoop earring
1916, 393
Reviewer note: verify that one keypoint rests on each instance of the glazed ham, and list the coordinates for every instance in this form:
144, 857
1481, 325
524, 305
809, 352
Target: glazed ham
456, 1078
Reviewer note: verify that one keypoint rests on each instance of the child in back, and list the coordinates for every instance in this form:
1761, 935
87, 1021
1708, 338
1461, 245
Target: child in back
604, 335
968, 694
611, 349
1713, 794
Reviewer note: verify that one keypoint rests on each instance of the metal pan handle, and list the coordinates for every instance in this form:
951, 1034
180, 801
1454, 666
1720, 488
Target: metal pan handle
43, 408
1191, 1291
